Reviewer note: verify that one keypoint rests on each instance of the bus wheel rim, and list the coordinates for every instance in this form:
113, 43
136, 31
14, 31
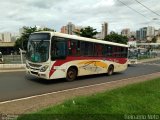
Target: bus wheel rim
71, 74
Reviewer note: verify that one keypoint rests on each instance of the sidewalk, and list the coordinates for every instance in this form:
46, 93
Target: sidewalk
12, 67
148, 60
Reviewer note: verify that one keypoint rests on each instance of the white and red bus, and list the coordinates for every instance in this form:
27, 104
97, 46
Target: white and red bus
52, 55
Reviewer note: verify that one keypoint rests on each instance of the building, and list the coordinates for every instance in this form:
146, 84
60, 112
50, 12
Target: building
98, 35
138, 34
150, 33
64, 29
68, 29
7, 47
1, 37
21, 30
14, 37
143, 34
158, 38
7, 37
125, 32
132, 43
132, 33
104, 30
156, 32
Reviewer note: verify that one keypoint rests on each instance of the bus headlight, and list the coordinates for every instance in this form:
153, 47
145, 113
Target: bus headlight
44, 68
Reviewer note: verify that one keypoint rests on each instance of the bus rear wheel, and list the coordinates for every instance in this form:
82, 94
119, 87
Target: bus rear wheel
110, 70
71, 74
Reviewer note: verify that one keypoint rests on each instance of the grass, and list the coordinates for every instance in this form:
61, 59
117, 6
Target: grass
136, 99
144, 57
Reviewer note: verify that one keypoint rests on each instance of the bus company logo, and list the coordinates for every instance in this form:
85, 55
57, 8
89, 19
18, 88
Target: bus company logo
94, 66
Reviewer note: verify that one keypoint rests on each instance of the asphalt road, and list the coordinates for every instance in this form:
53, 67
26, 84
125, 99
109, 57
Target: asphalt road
14, 85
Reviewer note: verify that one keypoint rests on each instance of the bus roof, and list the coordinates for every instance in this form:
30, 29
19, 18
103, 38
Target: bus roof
83, 38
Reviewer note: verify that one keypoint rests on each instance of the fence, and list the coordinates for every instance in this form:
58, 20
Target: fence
14, 59
145, 55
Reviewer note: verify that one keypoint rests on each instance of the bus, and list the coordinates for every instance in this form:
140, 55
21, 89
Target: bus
53, 55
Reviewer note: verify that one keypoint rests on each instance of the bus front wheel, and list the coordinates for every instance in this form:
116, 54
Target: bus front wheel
110, 70
71, 74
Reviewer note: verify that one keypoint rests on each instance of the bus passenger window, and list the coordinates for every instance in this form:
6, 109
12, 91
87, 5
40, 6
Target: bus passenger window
73, 47
98, 50
58, 49
109, 49
104, 50
86, 49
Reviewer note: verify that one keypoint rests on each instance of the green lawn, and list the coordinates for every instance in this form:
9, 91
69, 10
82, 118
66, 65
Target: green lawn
136, 99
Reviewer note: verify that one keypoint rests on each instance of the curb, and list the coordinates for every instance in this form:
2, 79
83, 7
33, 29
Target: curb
11, 70
12, 67
148, 60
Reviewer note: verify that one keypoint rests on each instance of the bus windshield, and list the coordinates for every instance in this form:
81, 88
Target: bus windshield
38, 47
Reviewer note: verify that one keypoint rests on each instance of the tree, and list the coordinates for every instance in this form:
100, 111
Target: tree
23, 40
116, 38
46, 29
88, 32
154, 40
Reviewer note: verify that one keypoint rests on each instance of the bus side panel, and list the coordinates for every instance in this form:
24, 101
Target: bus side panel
85, 67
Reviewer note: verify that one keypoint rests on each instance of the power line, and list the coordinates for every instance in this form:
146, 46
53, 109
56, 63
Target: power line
133, 9
147, 8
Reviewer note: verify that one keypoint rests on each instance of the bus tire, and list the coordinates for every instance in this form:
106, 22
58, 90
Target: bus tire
110, 70
71, 74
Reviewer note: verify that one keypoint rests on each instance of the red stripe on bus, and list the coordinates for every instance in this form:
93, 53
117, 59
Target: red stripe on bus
71, 58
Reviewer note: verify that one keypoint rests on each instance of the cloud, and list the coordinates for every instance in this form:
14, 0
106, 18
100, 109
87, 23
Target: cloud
56, 13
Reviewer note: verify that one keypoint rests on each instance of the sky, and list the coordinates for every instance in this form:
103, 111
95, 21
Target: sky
54, 14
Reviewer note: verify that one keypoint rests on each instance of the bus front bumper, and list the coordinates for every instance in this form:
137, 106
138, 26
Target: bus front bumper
38, 74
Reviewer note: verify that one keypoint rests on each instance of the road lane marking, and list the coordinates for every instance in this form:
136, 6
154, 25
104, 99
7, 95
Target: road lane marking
71, 89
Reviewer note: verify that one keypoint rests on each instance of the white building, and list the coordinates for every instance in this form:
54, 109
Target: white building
104, 29
132, 33
125, 32
21, 30
14, 37
7, 37
98, 35
158, 38
132, 44
150, 33
68, 29
1, 37
156, 32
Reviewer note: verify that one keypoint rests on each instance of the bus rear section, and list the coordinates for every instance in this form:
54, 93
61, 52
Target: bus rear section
132, 56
